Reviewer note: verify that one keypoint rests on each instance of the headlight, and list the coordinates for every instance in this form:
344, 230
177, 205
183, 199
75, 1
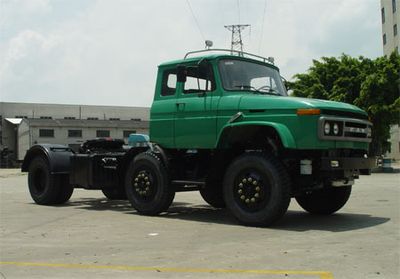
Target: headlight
335, 129
327, 128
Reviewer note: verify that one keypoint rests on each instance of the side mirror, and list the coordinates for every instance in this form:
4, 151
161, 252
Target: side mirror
181, 73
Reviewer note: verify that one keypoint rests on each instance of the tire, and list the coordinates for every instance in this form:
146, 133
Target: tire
257, 189
115, 193
326, 201
147, 184
212, 193
65, 189
45, 188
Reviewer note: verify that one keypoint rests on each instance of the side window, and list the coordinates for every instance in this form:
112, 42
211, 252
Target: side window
197, 81
168, 83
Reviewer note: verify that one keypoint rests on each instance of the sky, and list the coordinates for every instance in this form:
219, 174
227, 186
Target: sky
106, 52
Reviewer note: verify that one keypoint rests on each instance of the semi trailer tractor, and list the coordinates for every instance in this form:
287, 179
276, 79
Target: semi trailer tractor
221, 123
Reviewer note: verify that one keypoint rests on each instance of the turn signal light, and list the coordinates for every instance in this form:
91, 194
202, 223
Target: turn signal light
308, 111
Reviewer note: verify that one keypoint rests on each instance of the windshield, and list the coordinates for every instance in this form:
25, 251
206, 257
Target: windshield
258, 78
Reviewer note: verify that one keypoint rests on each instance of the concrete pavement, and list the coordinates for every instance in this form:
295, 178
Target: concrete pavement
93, 237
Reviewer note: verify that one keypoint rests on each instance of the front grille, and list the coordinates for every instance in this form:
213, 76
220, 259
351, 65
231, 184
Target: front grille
356, 130
353, 129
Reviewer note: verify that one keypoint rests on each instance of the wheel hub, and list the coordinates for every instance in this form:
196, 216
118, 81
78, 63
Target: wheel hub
142, 184
248, 190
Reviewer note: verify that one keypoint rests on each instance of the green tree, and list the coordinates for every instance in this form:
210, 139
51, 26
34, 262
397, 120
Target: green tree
373, 85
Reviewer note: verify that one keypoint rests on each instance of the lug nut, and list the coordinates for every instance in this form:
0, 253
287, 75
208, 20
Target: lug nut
240, 185
242, 197
253, 200
258, 189
147, 188
256, 195
250, 179
240, 191
247, 200
244, 180
255, 182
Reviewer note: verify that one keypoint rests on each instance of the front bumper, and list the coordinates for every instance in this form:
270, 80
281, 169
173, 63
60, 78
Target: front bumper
347, 163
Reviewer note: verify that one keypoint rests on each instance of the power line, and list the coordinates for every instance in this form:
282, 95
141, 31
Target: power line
262, 27
195, 20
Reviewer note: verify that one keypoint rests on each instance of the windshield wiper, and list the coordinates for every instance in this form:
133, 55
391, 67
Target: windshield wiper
260, 90
268, 90
248, 87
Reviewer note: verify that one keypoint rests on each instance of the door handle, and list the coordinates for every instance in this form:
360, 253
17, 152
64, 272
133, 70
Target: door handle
180, 105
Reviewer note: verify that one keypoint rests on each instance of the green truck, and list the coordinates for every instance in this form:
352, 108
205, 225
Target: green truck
221, 123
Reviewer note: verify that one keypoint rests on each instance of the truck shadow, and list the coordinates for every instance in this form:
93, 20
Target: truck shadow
292, 221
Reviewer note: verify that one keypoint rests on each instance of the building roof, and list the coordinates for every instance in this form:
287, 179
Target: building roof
80, 123
15, 121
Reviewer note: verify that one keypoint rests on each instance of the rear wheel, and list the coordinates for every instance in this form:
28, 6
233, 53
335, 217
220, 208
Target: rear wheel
325, 201
257, 189
212, 193
66, 189
115, 193
147, 184
45, 188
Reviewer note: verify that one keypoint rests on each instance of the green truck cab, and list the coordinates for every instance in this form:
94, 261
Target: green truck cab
223, 123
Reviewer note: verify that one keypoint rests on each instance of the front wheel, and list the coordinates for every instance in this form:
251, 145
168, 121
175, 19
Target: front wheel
257, 189
147, 184
325, 201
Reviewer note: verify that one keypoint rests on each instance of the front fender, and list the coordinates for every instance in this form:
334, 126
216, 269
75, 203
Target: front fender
284, 133
57, 156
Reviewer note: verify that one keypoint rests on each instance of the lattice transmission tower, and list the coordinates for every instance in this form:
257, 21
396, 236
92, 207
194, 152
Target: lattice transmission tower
237, 43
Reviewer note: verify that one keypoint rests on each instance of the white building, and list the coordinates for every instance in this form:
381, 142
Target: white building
25, 124
390, 15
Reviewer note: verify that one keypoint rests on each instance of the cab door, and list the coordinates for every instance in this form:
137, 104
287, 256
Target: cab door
163, 109
196, 110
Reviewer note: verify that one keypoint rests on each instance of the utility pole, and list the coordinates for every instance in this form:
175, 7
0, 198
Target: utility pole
236, 29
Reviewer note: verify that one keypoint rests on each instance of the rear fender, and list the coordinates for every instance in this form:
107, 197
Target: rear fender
57, 156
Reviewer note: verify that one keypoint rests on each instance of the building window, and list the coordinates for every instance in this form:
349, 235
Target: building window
127, 133
92, 118
69, 117
384, 39
102, 133
395, 30
114, 118
396, 49
383, 15
394, 8
46, 133
74, 133
46, 117
136, 119
21, 116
